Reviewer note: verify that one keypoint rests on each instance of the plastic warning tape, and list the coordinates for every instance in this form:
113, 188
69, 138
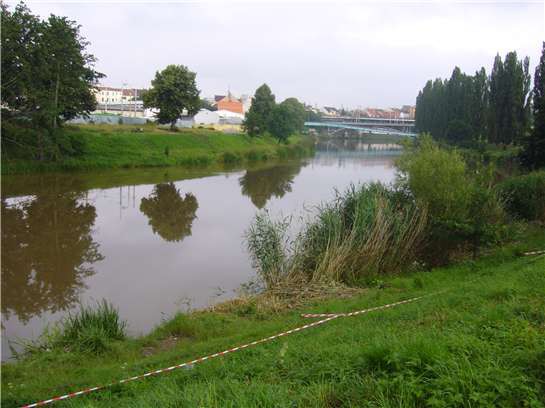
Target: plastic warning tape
358, 312
328, 317
534, 253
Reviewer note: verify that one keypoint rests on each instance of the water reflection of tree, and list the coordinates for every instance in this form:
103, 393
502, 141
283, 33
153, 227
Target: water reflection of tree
47, 252
170, 215
261, 185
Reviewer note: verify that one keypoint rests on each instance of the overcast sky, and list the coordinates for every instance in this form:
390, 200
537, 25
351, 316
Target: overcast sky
342, 53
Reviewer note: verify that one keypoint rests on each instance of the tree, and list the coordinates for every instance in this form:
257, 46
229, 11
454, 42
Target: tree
287, 118
509, 102
297, 114
170, 215
259, 115
533, 155
173, 91
47, 75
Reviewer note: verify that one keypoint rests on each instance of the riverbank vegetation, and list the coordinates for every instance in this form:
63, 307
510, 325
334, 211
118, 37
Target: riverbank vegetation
372, 245
479, 342
89, 147
439, 210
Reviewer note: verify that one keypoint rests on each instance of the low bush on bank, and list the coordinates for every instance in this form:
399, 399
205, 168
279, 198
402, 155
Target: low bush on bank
524, 196
463, 207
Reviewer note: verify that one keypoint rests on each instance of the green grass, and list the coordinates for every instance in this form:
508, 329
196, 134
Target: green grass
480, 343
120, 146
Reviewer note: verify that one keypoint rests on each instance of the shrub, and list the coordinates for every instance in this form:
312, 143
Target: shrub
524, 196
463, 208
231, 158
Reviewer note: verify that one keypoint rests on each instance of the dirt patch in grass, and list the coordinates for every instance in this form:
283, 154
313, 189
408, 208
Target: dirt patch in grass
161, 346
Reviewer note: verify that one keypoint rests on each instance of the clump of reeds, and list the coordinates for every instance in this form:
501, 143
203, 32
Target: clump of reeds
92, 327
267, 243
366, 231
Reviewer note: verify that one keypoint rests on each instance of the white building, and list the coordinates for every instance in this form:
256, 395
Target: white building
206, 117
106, 94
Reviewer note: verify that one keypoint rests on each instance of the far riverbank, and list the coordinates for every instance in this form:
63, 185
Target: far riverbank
128, 146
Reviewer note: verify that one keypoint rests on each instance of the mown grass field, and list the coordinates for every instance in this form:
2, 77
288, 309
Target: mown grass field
481, 343
124, 146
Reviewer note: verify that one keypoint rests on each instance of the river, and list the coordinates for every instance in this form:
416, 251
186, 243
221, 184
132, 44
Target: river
153, 241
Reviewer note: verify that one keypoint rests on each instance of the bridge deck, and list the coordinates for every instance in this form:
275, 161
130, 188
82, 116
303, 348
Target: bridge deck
361, 129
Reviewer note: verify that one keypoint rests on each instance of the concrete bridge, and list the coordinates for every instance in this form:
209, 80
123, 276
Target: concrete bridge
335, 127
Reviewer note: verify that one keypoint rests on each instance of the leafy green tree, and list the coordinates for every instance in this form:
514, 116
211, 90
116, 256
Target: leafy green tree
173, 91
297, 113
533, 155
478, 108
287, 118
170, 215
259, 115
47, 75
509, 102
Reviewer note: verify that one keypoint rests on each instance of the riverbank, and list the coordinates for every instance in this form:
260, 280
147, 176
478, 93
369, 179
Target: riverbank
480, 342
131, 146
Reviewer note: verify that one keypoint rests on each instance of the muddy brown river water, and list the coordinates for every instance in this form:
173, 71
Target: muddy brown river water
153, 242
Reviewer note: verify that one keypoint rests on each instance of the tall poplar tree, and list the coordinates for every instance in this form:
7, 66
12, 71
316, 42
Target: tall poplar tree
533, 155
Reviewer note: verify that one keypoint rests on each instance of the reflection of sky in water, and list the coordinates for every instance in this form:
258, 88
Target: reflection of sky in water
147, 277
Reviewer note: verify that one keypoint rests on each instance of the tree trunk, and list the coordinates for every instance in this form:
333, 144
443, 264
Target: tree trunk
173, 125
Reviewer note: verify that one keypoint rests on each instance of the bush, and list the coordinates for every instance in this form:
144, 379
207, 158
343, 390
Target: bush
463, 208
231, 158
524, 196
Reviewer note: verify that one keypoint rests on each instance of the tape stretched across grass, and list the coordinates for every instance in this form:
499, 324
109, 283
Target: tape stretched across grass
327, 318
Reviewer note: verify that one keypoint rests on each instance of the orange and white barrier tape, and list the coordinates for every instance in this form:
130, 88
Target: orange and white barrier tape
328, 317
534, 253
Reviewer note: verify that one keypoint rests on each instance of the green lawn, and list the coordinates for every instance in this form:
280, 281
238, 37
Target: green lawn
480, 343
122, 146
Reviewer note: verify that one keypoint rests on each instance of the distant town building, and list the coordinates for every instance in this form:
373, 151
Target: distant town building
331, 111
108, 94
206, 117
229, 103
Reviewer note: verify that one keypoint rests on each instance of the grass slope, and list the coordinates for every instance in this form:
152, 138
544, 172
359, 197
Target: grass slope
480, 343
108, 146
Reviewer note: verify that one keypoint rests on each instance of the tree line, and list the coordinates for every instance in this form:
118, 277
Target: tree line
499, 108
279, 120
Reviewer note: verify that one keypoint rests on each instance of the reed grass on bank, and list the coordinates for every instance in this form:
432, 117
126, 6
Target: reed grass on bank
367, 231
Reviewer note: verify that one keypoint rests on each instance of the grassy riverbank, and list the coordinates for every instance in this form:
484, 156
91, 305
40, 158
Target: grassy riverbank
123, 146
480, 343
